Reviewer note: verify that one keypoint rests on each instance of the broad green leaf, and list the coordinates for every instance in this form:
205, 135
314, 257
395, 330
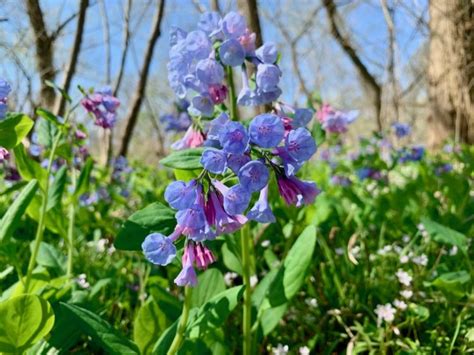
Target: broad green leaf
453, 284
148, 325
419, 312
84, 177
100, 331
13, 129
54, 220
270, 318
189, 159
168, 303
153, 218
214, 312
164, 342
56, 189
46, 132
210, 283
292, 273
49, 256
12, 217
445, 235
24, 320
28, 168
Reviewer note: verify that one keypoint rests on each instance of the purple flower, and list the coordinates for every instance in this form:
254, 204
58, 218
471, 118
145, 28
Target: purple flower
233, 25
236, 161
209, 71
218, 93
267, 53
268, 76
192, 222
247, 40
369, 173
176, 35
290, 165
261, 211
216, 126
401, 129
266, 130
247, 97
187, 276
197, 44
209, 22
12, 174
202, 105
159, 249
177, 123
88, 199
300, 144
204, 256
103, 106
335, 121
443, 169
297, 192
214, 160
4, 154
303, 116
253, 176
236, 200
415, 153
234, 138
80, 135
181, 195
192, 139
340, 180
232, 53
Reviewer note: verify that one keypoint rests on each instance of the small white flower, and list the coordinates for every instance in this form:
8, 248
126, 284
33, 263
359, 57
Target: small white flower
82, 281
401, 305
253, 281
280, 350
406, 294
453, 251
102, 245
404, 259
404, 277
339, 251
265, 243
420, 260
229, 278
420, 227
406, 238
304, 350
397, 249
313, 302
385, 313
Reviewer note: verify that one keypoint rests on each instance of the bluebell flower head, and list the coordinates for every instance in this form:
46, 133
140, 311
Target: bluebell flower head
217, 125
261, 211
177, 35
209, 22
236, 200
192, 222
209, 71
5, 88
267, 53
401, 129
181, 195
302, 117
201, 105
234, 138
254, 175
236, 161
187, 276
268, 76
266, 130
198, 45
300, 144
265, 97
290, 165
159, 249
214, 160
297, 192
234, 25
232, 53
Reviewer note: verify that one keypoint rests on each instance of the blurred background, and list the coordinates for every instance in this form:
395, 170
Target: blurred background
393, 60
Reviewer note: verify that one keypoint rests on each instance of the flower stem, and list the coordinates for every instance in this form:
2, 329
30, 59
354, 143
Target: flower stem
70, 232
234, 113
42, 216
247, 307
183, 320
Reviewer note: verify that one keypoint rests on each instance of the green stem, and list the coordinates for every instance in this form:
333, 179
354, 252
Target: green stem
70, 232
234, 113
43, 210
183, 320
247, 309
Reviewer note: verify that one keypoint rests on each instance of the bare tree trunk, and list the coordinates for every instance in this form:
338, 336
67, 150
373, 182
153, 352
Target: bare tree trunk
451, 71
44, 51
250, 11
76, 49
137, 99
346, 45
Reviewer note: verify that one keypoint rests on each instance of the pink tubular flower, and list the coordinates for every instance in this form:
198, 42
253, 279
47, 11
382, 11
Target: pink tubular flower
297, 192
187, 276
335, 121
247, 40
218, 93
204, 256
103, 105
4, 154
192, 139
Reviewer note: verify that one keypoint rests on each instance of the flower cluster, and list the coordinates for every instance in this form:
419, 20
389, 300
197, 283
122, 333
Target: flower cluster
198, 58
103, 105
335, 121
415, 153
4, 91
179, 121
401, 129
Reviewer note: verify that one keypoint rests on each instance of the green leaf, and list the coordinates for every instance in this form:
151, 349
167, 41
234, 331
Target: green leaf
46, 132
153, 218
56, 190
189, 159
444, 234
148, 325
453, 284
213, 313
291, 275
49, 256
420, 312
12, 217
24, 320
84, 178
54, 219
210, 283
49, 116
100, 331
164, 342
60, 89
13, 129
28, 168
